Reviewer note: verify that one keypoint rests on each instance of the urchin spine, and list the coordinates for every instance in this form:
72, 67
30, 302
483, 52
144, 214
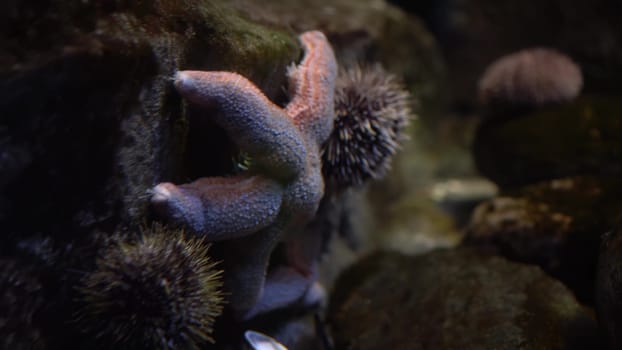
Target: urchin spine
372, 109
161, 290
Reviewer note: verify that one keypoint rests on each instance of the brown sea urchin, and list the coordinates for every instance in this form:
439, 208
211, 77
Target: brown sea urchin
530, 78
371, 111
160, 291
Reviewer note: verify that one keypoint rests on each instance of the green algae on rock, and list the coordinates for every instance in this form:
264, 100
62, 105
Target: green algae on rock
455, 299
583, 137
365, 31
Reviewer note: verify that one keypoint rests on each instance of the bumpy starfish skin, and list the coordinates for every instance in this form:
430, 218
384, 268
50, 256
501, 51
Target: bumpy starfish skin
258, 126
287, 288
224, 207
312, 106
251, 213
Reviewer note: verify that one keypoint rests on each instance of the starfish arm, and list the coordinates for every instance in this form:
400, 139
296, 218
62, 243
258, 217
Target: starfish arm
259, 127
285, 288
220, 207
245, 267
302, 196
312, 85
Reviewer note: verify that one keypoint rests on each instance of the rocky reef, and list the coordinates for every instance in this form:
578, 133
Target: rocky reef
468, 301
116, 114
555, 224
574, 139
91, 122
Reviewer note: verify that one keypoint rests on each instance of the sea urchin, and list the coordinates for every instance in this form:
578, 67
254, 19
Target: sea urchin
530, 78
159, 291
371, 111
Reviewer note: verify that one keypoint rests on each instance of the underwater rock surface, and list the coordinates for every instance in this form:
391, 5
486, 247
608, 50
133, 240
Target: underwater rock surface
89, 121
555, 224
92, 106
365, 31
580, 138
455, 299
608, 287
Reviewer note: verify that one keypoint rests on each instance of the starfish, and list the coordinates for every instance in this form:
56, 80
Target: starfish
250, 212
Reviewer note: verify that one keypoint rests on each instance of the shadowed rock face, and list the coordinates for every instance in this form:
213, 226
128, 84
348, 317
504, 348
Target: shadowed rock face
90, 120
90, 110
580, 138
455, 299
608, 287
555, 224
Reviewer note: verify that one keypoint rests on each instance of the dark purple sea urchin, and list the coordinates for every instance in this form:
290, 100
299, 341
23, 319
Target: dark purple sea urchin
160, 291
371, 111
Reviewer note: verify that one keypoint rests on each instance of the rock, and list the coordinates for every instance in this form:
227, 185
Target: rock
91, 104
365, 31
554, 224
579, 138
609, 287
90, 121
455, 299
410, 222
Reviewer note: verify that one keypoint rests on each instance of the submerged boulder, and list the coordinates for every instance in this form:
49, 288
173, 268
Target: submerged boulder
455, 299
579, 138
554, 224
90, 121
90, 112
609, 287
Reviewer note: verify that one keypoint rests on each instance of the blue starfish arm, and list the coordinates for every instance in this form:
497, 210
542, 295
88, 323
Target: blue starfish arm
258, 127
220, 207
284, 145
246, 261
284, 288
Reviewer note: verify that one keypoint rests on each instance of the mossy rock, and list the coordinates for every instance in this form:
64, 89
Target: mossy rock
609, 287
90, 119
367, 31
584, 137
455, 299
554, 224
